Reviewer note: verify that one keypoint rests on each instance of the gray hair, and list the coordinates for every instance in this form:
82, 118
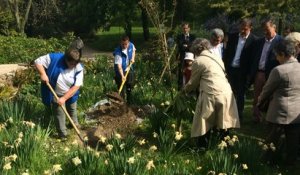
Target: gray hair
285, 47
216, 32
294, 37
199, 45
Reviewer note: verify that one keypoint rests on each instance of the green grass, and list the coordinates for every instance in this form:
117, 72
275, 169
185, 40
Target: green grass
108, 40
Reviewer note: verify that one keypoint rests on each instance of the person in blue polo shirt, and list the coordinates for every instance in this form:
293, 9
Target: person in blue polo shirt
64, 72
124, 55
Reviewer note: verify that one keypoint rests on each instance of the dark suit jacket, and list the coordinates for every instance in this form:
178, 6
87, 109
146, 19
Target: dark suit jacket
246, 59
181, 40
271, 61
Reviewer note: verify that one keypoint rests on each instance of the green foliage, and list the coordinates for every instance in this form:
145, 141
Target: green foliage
6, 22
170, 143
22, 49
90, 162
21, 139
118, 157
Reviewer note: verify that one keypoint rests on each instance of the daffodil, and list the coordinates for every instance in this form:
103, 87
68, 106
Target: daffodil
118, 136
150, 165
47, 172
56, 168
122, 146
76, 161
131, 160
244, 166
272, 147
222, 145
173, 126
7, 166
97, 153
109, 147
155, 135
265, 147
153, 148
142, 142
199, 168
102, 139
178, 135
235, 156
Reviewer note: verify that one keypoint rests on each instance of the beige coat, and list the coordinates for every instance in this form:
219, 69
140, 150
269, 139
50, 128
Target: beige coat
284, 85
216, 106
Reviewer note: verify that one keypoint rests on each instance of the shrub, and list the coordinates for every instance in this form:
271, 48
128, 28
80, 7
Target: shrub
22, 49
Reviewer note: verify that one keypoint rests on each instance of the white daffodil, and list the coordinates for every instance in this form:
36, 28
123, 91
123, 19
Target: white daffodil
167, 103
118, 136
66, 149
109, 147
10, 120
272, 147
235, 156
244, 166
7, 166
13, 157
173, 126
85, 138
76, 161
265, 147
47, 172
131, 160
230, 143
222, 145
122, 146
142, 141
20, 134
150, 165
153, 148
106, 162
155, 135
29, 124
56, 168
178, 135
227, 138
102, 139
199, 168
97, 153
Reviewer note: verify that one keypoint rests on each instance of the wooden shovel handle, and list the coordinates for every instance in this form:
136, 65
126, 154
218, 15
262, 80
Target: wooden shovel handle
123, 82
65, 111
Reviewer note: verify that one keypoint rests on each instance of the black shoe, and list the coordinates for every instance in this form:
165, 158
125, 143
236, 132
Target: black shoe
63, 137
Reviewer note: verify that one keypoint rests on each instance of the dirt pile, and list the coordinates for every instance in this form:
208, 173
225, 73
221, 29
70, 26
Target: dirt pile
109, 116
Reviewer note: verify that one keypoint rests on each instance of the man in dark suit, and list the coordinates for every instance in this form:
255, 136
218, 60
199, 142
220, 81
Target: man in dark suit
184, 41
238, 60
265, 61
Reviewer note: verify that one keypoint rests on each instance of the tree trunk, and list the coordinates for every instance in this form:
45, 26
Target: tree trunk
128, 27
145, 24
20, 20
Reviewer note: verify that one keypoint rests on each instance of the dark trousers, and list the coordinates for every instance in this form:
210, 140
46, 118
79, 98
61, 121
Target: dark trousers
292, 133
128, 86
238, 84
259, 82
181, 65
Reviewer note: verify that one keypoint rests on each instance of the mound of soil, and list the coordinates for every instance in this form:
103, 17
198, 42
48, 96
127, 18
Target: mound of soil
109, 117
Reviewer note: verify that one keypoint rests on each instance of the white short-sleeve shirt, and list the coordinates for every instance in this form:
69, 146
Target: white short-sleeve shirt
66, 78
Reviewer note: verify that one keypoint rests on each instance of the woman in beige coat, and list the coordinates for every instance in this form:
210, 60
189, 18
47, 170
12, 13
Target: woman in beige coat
216, 106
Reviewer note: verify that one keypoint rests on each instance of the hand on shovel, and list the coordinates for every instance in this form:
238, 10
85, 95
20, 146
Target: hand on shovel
67, 114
